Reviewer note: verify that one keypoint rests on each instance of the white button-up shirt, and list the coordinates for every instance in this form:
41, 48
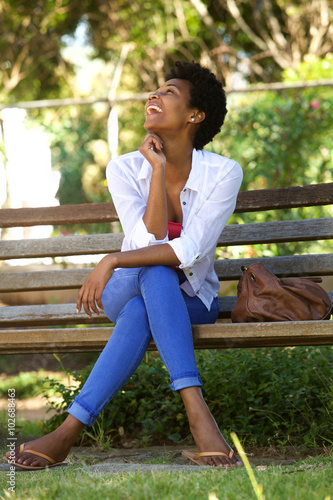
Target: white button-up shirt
207, 200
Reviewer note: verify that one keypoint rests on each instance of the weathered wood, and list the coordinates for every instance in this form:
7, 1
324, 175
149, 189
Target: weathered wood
280, 198
86, 213
227, 270
63, 279
61, 246
247, 201
286, 266
234, 234
220, 335
65, 314
277, 232
46, 315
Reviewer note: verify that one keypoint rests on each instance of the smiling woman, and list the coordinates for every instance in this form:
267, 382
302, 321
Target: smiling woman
173, 200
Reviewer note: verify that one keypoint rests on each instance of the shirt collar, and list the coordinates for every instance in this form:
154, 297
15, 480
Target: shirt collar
194, 180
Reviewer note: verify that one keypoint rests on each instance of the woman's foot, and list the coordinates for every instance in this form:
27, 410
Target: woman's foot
55, 445
205, 431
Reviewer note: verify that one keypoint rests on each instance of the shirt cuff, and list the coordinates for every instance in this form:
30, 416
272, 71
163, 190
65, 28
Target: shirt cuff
184, 252
141, 237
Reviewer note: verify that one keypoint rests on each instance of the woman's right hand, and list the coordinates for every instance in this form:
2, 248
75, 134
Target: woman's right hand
152, 149
90, 295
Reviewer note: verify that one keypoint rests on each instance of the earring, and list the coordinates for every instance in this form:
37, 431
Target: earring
193, 119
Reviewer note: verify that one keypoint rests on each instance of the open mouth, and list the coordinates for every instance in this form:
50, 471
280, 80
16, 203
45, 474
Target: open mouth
153, 108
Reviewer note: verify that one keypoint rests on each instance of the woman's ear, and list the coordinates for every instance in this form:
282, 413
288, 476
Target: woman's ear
198, 117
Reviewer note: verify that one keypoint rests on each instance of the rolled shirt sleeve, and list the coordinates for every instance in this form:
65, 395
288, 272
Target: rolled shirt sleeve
140, 237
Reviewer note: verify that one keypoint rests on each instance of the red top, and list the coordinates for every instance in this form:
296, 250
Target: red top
174, 230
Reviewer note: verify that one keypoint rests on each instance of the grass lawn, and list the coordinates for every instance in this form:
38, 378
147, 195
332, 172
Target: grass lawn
308, 479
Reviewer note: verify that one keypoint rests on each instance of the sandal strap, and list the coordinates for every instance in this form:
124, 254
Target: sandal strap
213, 453
34, 452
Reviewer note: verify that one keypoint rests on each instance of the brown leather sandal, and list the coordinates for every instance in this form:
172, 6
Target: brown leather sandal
53, 463
195, 456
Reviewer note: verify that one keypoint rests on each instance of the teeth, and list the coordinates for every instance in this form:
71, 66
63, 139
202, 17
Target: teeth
153, 106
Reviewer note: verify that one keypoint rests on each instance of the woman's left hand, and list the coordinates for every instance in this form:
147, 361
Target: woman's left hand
90, 295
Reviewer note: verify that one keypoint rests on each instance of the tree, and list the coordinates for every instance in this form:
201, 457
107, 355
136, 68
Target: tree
262, 37
259, 38
32, 66
159, 33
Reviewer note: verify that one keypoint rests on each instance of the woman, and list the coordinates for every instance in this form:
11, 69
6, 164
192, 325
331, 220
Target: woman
173, 200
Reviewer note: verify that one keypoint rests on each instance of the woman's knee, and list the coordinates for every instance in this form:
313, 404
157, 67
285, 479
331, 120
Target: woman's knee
119, 290
160, 273
135, 312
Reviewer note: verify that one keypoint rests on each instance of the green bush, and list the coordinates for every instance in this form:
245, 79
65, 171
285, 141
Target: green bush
268, 396
280, 139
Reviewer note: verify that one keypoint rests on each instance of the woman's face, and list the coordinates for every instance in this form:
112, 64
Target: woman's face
168, 108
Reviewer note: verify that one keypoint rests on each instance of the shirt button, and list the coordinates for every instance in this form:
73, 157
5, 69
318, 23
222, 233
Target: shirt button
184, 190
190, 274
184, 202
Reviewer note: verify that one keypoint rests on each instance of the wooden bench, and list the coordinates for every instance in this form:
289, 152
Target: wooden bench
54, 327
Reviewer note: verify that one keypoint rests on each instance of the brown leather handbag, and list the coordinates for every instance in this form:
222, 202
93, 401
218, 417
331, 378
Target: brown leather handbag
264, 297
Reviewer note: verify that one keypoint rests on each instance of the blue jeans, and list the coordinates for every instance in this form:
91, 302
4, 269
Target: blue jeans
145, 304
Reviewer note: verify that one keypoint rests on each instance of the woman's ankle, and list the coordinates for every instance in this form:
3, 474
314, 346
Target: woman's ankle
70, 429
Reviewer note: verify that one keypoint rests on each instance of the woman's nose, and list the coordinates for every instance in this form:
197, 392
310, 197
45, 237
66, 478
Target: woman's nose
152, 96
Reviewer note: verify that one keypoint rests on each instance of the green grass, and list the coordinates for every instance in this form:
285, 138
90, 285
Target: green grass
165, 459
308, 479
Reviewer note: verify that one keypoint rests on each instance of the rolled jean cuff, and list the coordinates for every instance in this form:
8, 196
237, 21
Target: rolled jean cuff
189, 379
80, 411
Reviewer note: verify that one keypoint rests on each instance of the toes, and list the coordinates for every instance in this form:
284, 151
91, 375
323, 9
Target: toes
30, 460
218, 462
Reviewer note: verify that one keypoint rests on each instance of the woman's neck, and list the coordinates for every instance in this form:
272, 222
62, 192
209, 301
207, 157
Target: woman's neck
178, 160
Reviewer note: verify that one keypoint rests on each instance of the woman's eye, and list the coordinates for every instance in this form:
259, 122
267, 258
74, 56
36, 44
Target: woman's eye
169, 90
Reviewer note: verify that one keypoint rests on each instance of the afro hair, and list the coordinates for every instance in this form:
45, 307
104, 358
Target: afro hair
206, 94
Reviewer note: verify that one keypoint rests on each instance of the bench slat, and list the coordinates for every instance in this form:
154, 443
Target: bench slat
227, 270
46, 314
286, 266
85, 213
234, 234
277, 232
247, 201
62, 279
220, 335
61, 246
280, 198
65, 314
